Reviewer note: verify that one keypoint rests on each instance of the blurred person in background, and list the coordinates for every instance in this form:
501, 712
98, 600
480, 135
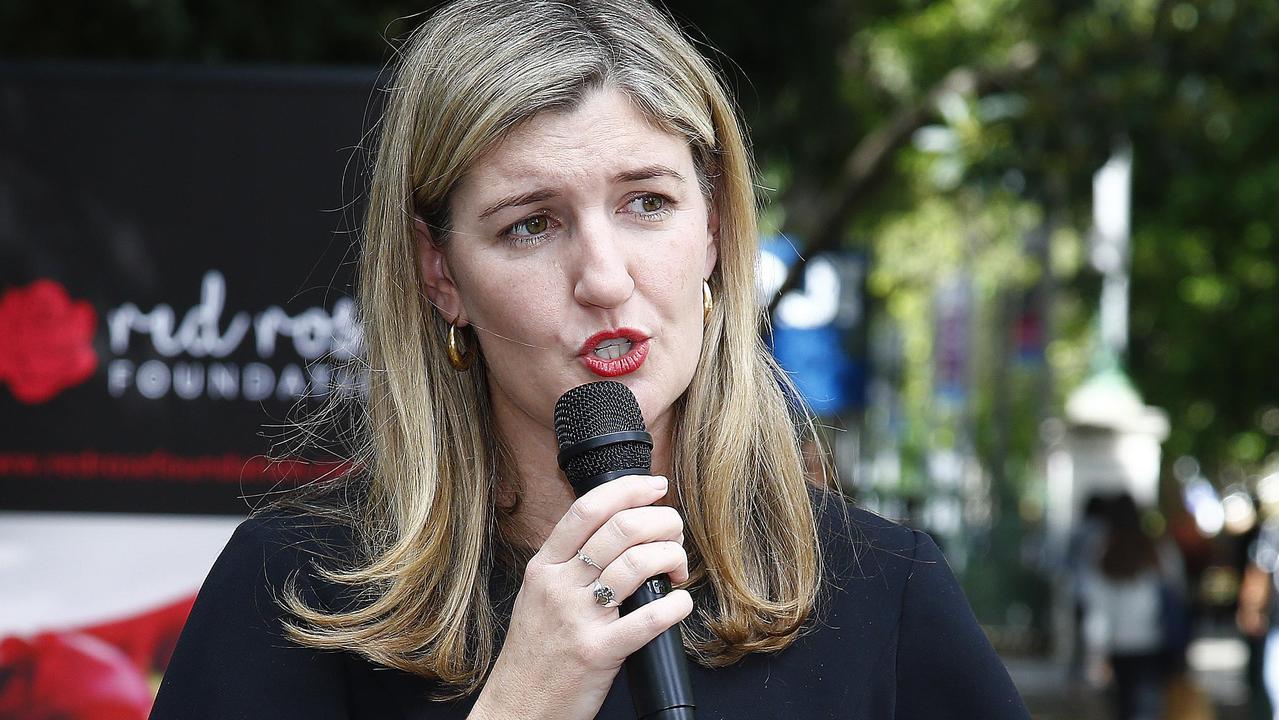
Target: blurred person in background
1258, 613
1082, 551
1133, 607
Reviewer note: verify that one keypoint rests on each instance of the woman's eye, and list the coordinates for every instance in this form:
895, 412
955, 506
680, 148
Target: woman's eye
649, 205
535, 225
530, 231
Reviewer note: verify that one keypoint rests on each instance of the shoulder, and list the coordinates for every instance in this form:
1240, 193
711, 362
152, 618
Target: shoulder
235, 639
280, 546
292, 532
896, 580
886, 569
858, 546
868, 563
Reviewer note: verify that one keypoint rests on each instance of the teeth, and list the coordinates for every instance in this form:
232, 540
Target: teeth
613, 349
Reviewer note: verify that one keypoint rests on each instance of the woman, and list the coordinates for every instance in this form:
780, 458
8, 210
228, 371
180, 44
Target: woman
1128, 598
562, 193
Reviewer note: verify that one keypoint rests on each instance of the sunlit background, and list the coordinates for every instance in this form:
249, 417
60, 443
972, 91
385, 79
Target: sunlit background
1017, 253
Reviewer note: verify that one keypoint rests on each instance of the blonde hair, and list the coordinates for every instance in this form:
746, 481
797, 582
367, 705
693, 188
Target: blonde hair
428, 524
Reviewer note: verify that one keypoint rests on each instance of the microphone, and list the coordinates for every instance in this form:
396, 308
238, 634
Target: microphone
602, 437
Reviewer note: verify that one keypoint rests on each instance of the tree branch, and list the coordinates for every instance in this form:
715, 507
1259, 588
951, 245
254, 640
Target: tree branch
870, 160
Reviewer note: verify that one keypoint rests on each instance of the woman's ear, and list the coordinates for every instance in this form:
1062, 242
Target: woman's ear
433, 268
712, 239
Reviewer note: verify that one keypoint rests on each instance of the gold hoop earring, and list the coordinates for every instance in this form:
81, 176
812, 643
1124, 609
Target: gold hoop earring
460, 359
708, 302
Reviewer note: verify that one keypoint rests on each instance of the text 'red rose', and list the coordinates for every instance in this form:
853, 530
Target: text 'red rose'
46, 341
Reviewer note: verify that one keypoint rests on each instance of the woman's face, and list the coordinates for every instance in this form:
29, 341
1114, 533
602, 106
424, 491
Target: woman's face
578, 250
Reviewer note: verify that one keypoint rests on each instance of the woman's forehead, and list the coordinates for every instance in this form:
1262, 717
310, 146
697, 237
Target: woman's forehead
604, 137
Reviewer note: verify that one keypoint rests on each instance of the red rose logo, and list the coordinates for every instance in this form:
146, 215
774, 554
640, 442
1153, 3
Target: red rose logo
46, 341
70, 675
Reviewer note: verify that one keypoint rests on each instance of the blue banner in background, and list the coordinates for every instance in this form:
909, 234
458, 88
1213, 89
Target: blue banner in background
818, 327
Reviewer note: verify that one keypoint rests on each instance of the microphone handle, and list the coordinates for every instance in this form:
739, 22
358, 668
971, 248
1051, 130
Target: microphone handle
657, 673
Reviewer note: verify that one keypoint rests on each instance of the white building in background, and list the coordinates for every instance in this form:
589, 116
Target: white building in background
1110, 442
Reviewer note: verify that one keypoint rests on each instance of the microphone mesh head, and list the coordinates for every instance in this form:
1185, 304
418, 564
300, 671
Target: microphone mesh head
595, 409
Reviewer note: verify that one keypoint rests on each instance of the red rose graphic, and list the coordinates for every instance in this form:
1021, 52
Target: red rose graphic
46, 341
58, 676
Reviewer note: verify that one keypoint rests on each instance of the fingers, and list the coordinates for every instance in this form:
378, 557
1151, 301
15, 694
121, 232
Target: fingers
641, 562
559, 637
634, 526
634, 630
590, 512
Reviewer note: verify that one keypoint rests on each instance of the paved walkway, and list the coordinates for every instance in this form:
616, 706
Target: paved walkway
1047, 693
1216, 669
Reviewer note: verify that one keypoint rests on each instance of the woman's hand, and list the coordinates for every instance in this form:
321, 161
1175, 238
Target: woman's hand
563, 649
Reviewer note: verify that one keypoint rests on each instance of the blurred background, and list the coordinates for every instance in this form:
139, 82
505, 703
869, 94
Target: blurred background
1020, 256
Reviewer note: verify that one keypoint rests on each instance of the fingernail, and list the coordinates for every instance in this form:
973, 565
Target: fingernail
658, 482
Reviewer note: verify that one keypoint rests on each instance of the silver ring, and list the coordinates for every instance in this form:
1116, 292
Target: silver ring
587, 559
603, 593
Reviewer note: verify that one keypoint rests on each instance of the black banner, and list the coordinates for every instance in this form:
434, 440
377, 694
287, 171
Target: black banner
176, 255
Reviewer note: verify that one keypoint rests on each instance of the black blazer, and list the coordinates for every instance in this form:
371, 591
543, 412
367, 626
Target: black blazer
894, 638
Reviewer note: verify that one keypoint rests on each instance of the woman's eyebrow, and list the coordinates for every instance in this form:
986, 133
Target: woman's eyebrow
647, 172
519, 199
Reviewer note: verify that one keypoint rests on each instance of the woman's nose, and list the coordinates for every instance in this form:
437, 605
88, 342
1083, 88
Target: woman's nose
603, 273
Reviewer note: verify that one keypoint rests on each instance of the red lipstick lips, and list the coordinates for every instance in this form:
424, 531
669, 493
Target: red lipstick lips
620, 352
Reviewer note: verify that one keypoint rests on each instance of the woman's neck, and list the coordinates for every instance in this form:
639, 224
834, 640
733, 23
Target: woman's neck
534, 477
